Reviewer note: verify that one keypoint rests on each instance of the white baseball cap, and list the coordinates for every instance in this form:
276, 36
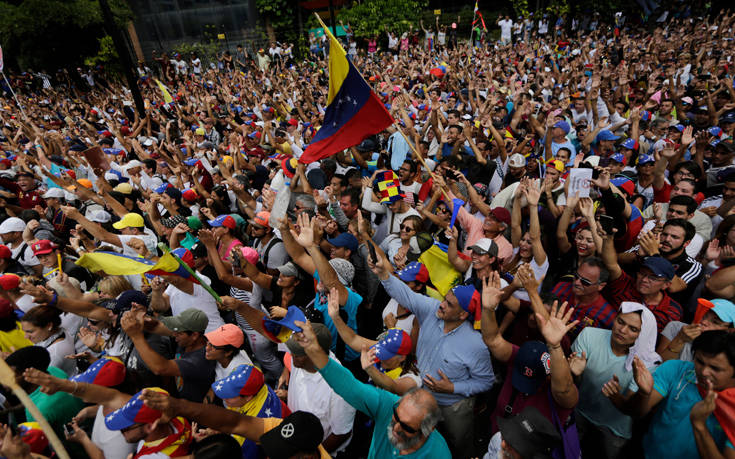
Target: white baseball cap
11, 225
98, 215
57, 193
517, 160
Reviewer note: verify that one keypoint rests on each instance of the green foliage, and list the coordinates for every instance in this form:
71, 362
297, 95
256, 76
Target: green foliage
368, 17
521, 7
558, 7
106, 57
207, 52
54, 33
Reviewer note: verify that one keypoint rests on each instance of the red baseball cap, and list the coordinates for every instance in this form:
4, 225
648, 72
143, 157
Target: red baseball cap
43, 247
501, 214
190, 195
9, 281
5, 251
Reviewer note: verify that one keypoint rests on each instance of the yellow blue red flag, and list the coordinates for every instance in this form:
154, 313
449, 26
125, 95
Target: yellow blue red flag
353, 111
117, 264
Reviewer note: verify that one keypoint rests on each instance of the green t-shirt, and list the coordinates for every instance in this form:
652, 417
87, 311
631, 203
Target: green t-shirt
59, 408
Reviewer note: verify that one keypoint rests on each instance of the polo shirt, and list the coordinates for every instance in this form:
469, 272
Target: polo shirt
670, 433
600, 313
624, 289
353, 302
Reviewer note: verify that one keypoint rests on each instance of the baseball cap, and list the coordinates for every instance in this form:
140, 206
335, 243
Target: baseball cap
624, 184
125, 301
42, 247
687, 100
299, 432
133, 412
679, 127
226, 335
563, 125
531, 365
6, 309
133, 164
32, 435
223, 220
530, 433
501, 214
11, 225
244, 380
469, 300
345, 270
191, 320
194, 223
393, 342
131, 220
556, 164
173, 193
9, 281
645, 159
57, 193
289, 269
107, 372
289, 166
618, 158
606, 134
724, 309
414, 272
98, 215
630, 144
323, 337
262, 218
5, 252
189, 195
281, 330
485, 246
660, 267
200, 131
124, 188
184, 255
517, 160
728, 117
250, 254
345, 240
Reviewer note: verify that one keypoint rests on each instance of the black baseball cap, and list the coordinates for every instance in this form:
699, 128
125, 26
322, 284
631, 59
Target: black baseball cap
300, 432
530, 433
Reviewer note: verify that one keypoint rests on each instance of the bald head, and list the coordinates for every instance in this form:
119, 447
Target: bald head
422, 405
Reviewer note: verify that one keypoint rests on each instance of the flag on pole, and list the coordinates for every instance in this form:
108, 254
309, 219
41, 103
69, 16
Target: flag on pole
353, 111
117, 264
166, 95
476, 8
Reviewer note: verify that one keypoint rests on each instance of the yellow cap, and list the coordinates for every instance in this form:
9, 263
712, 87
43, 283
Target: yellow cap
200, 131
124, 188
129, 220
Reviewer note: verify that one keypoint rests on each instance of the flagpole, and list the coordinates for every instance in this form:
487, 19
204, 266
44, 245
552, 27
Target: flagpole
420, 158
165, 249
14, 96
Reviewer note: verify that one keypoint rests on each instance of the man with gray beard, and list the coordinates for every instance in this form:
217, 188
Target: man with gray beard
403, 426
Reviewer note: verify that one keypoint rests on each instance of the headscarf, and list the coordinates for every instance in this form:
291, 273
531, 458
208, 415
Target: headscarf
645, 346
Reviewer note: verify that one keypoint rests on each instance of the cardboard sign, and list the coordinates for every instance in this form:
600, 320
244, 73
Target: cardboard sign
221, 36
579, 182
97, 159
437, 12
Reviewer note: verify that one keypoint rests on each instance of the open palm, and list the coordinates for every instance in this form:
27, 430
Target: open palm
557, 325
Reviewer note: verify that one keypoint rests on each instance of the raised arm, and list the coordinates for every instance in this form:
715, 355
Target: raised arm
94, 229
90, 393
553, 329
491, 294
348, 335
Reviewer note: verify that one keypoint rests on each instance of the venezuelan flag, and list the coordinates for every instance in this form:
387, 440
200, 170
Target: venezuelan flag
441, 271
117, 264
166, 95
353, 110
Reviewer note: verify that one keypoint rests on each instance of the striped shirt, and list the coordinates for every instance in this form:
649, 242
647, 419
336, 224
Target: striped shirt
624, 289
600, 313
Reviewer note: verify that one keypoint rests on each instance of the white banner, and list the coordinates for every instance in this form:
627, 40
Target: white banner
579, 182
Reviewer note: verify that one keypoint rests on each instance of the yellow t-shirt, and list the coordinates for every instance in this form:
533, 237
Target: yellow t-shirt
13, 340
271, 423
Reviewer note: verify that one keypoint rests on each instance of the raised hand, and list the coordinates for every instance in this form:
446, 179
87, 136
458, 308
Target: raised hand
368, 356
577, 363
491, 292
333, 302
557, 324
642, 376
704, 408
305, 237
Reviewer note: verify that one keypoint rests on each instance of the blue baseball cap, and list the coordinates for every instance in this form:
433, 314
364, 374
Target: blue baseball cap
630, 144
162, 188
345, 240
133, 412
393, 342
660, 267
618, 158
281, 330
531, 365
606, 134
414, 272
563, 125
645, 159
678, 127
724, 309
191, 161
244, 380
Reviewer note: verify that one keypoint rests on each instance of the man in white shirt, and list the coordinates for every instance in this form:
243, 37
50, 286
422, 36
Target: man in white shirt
506, 26
11, 232
182, 294
308, 391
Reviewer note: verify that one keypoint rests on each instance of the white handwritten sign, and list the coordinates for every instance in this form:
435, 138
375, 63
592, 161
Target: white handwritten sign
579, 182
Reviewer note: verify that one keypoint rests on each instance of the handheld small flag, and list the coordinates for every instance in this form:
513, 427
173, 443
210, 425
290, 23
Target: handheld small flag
166, 95
280, 331
456, 205
353, 111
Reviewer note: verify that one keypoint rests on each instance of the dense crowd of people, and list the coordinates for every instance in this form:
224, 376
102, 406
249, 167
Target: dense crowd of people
537, 259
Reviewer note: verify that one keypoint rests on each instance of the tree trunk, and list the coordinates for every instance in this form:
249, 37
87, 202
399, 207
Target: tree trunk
269, 30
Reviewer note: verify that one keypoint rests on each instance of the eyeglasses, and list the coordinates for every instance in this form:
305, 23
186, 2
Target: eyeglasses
442, 210
407, 228
403, 425
586, 282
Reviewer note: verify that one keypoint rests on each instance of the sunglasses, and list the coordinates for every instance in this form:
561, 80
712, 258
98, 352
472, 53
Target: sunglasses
407, 228
442, 210
403, 425
586, 282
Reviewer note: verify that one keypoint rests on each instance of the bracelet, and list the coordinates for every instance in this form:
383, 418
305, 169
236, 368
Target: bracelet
558, 346
54, 300
668, 348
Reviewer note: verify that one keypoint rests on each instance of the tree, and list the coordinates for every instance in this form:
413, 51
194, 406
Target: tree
278, 16
54, 33
368, 17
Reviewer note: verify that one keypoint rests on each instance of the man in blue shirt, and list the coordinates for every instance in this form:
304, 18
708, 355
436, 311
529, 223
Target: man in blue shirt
684, 425
453, 360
